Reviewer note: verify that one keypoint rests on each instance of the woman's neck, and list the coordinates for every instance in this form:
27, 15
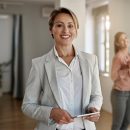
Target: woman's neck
65, 51
124, 51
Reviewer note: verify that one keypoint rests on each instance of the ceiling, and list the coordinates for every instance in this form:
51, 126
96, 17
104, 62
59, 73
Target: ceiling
27, 1
42, 1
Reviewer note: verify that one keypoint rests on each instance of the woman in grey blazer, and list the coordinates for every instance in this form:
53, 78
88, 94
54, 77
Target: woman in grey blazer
65, 82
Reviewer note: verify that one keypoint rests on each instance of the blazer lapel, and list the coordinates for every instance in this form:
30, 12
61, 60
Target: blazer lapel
86, 79
51, 73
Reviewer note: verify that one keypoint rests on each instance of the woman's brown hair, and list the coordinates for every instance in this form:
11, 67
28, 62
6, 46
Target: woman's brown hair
55, 12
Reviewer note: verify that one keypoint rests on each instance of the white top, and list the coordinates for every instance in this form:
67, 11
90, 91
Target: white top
69, 79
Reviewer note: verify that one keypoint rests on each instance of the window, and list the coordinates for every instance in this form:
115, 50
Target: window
102, 26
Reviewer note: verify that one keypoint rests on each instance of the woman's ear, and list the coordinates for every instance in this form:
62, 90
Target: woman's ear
51, 34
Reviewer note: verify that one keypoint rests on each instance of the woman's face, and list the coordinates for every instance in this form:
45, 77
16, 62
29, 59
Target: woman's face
63, 30
123, 41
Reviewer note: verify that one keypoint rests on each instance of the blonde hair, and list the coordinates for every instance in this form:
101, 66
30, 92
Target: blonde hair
117, 36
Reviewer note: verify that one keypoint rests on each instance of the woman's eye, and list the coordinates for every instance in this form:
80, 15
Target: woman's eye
70, 26
58, 25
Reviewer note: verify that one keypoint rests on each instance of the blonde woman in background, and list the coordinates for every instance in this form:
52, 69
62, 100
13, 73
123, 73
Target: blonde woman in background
120, 74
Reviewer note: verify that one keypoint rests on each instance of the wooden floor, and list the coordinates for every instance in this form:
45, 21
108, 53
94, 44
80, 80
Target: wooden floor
12, 118
105, 121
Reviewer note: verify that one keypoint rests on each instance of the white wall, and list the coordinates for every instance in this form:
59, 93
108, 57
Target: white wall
106, 82
89, 35
5, 50
106, 85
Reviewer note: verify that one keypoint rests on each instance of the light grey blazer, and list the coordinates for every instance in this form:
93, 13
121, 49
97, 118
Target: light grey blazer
42, 93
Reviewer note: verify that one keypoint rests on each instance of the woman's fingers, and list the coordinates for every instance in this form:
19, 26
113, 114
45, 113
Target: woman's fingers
93, 118
60, 116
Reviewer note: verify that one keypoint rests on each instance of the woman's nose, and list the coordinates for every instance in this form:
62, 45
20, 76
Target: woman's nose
65, 29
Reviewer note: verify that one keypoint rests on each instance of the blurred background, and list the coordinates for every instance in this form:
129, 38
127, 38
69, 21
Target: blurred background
24, 35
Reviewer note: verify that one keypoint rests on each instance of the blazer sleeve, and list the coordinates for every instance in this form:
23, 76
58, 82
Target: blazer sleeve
31, 105
96, 97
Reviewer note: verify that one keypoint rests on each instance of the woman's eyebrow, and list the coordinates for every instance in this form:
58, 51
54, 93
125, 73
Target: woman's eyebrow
58, 22
63, 22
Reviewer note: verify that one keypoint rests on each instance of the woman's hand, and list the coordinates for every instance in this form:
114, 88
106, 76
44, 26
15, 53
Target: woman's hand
93, 118
61, 116
124, 58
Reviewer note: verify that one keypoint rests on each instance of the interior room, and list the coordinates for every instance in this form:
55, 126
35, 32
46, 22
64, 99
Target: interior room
24, 35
